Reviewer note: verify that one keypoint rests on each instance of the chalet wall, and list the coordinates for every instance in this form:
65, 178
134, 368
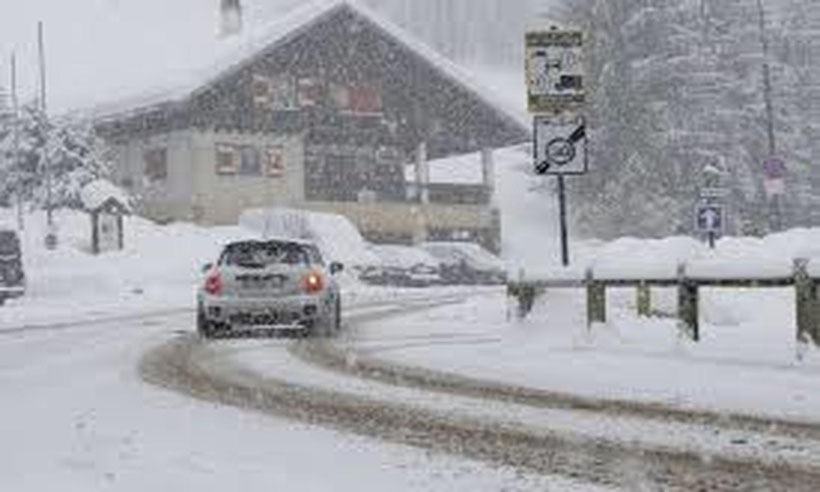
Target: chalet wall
220, 199
162, 199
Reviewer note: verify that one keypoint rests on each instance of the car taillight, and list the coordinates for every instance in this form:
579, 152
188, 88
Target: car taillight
312, 283
213, 284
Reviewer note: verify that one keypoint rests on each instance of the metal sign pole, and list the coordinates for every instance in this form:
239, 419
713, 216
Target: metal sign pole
562, 205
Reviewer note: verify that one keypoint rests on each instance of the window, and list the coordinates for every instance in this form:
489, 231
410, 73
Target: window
156, 164
261, 90
262, 254
283, 94
227, 160
249, 164
275, 162
357, 99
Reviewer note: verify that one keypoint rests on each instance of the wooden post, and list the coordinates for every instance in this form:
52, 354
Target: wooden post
644, 300
688, 304
806, 303
596, 299
524, 295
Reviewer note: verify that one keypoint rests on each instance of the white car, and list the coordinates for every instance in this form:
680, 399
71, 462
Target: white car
269, 285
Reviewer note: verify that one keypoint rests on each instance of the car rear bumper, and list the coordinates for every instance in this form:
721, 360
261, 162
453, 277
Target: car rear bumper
8, 291
294, 312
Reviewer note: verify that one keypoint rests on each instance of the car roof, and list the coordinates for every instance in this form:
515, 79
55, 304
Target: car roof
303, 242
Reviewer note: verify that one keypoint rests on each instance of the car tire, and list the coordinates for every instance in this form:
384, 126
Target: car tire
203, 326
337, 316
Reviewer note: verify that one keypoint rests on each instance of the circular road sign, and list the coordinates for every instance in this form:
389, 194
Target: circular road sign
560, 151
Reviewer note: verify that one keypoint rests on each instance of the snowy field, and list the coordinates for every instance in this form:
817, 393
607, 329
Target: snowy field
745, 364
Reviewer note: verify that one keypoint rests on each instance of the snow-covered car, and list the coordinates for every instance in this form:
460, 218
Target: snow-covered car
467, 263
269, 285
12, 275
404, 266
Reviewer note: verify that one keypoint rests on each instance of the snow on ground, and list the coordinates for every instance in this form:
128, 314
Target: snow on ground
76, 417
745, 363
159, 269
531, 247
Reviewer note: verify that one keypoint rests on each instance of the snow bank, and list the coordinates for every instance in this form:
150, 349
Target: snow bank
159, 267
337, 237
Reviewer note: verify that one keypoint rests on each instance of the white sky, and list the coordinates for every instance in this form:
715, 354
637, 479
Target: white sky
98, 51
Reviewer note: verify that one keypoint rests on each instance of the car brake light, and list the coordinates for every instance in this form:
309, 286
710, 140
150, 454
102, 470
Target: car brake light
312, 283
213, 284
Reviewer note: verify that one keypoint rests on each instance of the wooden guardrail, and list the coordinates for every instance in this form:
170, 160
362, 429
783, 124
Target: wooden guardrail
806, 301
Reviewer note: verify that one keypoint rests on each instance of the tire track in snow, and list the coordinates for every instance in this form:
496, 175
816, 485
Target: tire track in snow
183, 365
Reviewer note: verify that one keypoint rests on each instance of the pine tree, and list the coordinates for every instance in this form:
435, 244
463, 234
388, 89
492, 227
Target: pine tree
67, 150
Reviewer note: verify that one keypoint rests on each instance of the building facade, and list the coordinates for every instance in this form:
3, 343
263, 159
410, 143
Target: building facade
325, 118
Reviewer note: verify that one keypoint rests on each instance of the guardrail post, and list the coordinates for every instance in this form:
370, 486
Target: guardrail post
688, 304
596, 299
644, 300
806, 303
524, 295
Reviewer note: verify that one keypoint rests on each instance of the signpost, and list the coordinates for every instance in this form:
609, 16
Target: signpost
556, 94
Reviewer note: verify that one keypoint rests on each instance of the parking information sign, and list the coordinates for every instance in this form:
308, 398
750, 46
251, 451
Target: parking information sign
709, 218
555, 70
560, 145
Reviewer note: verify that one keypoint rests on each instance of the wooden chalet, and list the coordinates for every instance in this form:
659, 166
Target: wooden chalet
324, 115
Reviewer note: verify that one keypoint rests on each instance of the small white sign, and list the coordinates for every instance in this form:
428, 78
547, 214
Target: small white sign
560, 145
714, 193
774, 187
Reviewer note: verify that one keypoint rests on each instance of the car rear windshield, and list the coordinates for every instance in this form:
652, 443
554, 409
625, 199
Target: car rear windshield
9, 245
261, 254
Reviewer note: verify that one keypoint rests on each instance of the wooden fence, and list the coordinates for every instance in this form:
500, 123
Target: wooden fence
807, 305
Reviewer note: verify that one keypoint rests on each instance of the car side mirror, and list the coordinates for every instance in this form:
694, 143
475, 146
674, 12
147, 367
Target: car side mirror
206, 267
336, 267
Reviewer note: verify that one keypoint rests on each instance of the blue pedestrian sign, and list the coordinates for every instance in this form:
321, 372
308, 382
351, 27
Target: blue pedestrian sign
709, 218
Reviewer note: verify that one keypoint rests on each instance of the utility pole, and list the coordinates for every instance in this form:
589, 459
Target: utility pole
16, 142
51, 235
775, 219
43, 108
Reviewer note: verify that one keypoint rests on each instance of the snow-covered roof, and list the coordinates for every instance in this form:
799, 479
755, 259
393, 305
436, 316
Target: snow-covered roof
462, 169
96, 193
232, 53
403, 256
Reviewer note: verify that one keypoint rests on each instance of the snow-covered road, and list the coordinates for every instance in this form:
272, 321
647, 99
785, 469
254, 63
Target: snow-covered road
640, 447
76, 416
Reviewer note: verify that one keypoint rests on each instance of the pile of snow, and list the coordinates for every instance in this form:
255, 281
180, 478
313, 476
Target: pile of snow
530, 239
462, 169
159, 268
335, 235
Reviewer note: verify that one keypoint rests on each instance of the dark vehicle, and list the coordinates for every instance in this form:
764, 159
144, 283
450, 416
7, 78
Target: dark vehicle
464, 263
270, 285
12, 276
